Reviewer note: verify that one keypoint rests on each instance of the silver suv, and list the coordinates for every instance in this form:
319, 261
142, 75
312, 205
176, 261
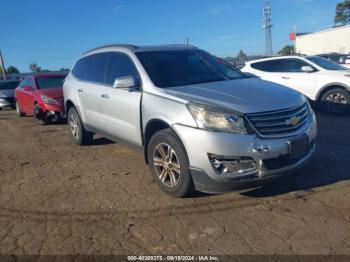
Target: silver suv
200, 124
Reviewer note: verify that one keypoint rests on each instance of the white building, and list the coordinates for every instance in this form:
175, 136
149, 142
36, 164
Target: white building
334, 40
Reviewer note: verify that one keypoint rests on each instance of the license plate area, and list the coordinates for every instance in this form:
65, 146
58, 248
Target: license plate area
298, 147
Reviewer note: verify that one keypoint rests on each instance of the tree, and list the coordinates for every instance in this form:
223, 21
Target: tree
242, 56
342, 13
63, 69
12, 70
287, 50
35, 68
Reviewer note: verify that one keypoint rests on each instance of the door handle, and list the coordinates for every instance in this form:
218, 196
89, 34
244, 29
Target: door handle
285, 77
105, 96
80, 91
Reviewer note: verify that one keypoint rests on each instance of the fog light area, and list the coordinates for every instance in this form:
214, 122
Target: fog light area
235, 166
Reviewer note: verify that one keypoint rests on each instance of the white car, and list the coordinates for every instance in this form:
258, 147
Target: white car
317, 78
347, 62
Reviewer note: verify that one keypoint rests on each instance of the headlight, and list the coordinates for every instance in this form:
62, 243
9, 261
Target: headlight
2, 95
216, 119
48, 100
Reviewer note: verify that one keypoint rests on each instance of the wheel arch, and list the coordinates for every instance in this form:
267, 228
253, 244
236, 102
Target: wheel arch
328, 87
68, 105
153, 126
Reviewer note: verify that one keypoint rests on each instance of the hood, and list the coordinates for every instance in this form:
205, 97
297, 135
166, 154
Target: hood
250, 95
56, 93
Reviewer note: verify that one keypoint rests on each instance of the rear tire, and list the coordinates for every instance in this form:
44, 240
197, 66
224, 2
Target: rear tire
78, 133
336, 101
18, 110
169, 164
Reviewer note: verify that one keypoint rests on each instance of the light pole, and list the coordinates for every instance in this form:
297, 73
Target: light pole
3, 67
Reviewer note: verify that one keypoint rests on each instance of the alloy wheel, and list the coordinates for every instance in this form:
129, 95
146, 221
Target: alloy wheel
335, 102
336, 98
74, 127
166, 164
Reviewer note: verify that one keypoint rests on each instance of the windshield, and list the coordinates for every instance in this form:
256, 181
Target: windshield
185, 67
50, 82
325, 64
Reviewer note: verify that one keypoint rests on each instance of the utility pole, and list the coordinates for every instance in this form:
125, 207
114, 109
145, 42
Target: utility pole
267, 26
3, 67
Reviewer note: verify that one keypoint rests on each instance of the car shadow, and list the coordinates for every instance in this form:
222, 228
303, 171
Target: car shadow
330, 163
101, 141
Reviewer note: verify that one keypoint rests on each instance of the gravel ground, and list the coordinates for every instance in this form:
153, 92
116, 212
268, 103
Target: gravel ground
58, 198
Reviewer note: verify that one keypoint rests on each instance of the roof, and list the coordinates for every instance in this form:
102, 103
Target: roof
324, 31
146, 48
38, 75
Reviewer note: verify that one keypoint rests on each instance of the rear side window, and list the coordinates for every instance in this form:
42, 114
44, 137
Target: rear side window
269, 66
8, 85
98, 66
121, 66
80, 67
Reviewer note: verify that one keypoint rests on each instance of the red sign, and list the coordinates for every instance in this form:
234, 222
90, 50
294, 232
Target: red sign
292, 36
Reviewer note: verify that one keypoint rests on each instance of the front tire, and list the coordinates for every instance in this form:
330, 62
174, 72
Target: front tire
78, 133
169, 164
18, 110
40, 115
336, 101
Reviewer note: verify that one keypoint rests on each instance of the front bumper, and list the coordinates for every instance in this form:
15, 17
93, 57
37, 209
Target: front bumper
270, 165
53, 111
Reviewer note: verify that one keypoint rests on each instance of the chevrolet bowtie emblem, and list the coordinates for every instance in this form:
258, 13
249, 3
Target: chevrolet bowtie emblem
293, 121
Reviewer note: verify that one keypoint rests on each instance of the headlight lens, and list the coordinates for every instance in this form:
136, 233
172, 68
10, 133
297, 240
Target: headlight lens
217, 120
48, 100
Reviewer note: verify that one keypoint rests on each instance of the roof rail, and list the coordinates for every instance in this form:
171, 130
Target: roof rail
133, 47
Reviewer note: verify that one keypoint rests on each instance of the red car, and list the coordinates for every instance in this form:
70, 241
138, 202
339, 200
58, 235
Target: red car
41, 96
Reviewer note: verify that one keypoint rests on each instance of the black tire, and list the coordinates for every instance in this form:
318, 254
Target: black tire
184, 186
336, 101
80, 136
39, 115
18, 110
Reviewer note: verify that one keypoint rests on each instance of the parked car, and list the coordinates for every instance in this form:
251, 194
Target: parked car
347, 62
200, 124
347, 59
317, 78
7, 93
41, 95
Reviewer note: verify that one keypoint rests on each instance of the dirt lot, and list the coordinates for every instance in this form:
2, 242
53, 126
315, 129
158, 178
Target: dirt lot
58, 198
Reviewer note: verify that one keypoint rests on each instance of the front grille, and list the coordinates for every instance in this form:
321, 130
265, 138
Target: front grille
280, 123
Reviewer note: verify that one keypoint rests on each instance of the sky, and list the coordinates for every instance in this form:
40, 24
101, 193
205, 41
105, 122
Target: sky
54, 33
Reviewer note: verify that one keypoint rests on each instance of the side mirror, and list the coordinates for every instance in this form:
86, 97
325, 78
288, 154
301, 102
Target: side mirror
28, 88
125, 82
307, 69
